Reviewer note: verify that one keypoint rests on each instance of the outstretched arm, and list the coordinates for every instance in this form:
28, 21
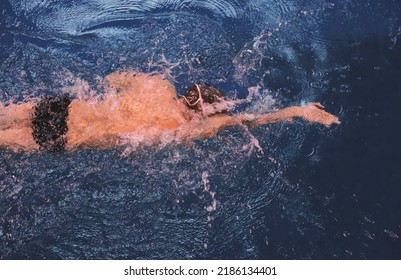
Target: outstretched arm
312, 112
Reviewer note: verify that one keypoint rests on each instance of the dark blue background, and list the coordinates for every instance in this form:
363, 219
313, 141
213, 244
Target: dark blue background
315, 193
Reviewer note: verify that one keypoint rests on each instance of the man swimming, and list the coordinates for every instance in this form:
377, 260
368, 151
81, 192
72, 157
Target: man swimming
138, 108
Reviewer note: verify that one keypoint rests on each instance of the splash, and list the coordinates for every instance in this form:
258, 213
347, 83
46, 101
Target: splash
163, 66
139, 109
135, 108
206, 188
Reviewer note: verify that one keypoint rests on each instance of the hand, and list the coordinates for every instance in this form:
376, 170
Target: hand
314, 112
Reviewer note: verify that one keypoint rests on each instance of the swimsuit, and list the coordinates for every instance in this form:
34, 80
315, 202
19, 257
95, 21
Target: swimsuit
49, 122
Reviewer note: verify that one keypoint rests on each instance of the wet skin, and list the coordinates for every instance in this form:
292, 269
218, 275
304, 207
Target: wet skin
140, 107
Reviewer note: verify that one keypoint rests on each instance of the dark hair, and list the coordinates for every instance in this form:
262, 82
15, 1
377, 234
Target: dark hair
202, 93
49, 122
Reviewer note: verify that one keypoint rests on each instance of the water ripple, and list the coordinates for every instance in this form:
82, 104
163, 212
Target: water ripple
71, 18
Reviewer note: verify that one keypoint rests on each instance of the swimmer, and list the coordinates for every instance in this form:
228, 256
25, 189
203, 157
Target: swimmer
138, 107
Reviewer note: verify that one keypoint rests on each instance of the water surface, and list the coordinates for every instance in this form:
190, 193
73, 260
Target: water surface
283, 191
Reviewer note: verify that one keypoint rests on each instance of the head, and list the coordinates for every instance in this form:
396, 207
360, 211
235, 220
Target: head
206, 99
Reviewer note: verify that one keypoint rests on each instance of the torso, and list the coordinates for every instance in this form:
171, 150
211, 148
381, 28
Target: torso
141, 104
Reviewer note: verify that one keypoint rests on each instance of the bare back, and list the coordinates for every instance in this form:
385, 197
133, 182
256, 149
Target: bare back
136, 103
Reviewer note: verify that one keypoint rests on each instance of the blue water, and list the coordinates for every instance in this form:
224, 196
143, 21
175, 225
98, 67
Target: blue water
308, 192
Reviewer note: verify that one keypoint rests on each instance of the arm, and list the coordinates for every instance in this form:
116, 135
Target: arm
312, 112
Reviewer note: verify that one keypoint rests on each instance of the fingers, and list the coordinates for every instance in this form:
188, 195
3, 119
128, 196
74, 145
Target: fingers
317, 105
335, 120
332, 121
314, 112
